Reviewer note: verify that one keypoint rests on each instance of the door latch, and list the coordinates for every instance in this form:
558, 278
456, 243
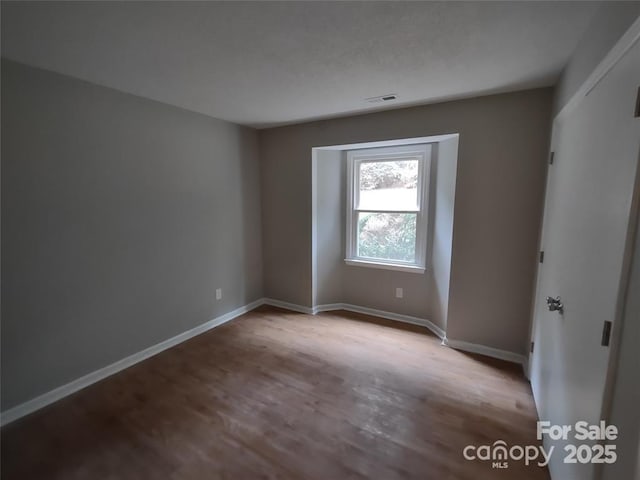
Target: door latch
555, 305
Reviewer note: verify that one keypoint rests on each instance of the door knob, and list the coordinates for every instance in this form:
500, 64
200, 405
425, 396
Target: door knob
555, 305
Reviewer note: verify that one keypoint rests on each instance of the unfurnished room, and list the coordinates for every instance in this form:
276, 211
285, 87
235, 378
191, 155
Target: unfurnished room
320, 240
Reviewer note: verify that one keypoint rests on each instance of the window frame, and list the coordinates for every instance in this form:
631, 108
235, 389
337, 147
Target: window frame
420, 152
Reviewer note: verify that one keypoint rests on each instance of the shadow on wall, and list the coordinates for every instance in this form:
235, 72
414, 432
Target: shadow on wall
425, 295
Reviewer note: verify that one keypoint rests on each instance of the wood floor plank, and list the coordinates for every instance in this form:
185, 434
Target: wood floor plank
281, 395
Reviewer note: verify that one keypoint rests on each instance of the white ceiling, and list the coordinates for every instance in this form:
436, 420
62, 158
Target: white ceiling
269, 63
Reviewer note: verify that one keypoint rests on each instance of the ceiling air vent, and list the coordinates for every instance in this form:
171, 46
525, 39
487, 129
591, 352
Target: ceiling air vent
382, 98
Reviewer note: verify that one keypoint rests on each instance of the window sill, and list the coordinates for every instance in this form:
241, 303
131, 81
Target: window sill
385, 266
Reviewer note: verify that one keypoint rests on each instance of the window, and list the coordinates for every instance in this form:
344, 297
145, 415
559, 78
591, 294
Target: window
387, 207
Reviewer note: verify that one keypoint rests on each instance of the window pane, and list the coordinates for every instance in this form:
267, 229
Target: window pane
387, 236
389, 185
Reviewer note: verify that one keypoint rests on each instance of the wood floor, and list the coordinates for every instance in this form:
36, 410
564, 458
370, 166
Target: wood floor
275, 394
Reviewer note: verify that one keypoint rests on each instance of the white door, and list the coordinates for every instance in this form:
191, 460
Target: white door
588, 206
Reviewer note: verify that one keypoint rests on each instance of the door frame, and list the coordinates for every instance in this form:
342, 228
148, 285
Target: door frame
624, 44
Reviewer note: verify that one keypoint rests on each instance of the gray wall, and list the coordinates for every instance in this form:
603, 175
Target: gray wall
120, 218
501, 170
609, 23
442, 242
424, 295
330, 225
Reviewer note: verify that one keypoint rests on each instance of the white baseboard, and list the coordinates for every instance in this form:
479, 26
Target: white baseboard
56, 394
487, 351
439, 332
423, 322
288, 306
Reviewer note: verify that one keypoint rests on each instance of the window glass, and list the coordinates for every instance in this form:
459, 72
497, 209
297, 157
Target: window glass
387, 236
391, 185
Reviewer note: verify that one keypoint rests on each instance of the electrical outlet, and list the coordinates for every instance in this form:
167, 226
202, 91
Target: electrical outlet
399, 293
218, 293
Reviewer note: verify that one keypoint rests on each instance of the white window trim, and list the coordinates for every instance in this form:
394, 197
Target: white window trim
355, 157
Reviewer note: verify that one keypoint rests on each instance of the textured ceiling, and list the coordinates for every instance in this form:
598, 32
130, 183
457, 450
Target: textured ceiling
269, 63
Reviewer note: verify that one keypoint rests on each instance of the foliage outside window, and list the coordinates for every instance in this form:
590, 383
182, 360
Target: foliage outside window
387, 203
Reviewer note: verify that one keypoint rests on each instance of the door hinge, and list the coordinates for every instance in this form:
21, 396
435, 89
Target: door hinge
541, 256
552, 157
532, 345
637, 112
606, 333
